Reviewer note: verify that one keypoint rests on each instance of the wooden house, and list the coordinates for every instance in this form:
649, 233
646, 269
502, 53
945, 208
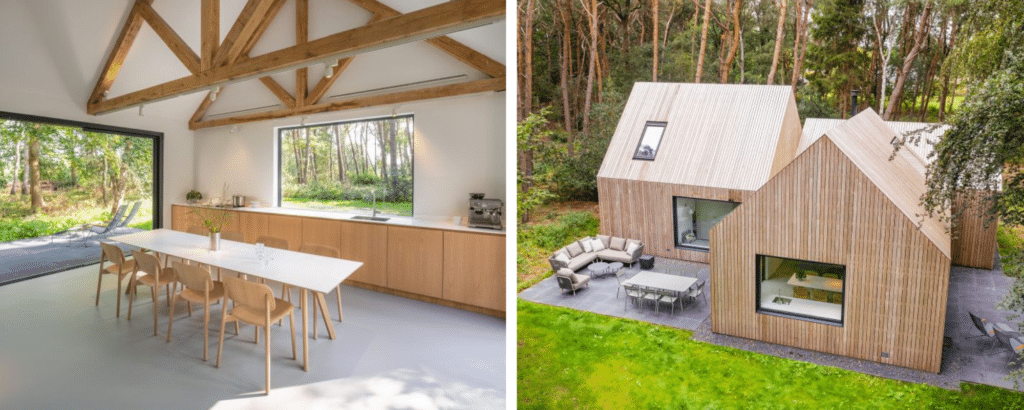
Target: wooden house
973, 241
832, 254
685, 155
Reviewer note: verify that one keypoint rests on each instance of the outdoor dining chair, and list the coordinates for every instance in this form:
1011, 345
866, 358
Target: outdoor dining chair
649, 294
670, 297
632, 292
698, 291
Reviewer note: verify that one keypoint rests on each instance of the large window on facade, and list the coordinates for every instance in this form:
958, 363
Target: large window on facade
694, 219
801, 289
650, 141
352, 166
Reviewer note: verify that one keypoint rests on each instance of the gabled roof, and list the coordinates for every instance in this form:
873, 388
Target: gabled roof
730, 136
917, 153
865, 139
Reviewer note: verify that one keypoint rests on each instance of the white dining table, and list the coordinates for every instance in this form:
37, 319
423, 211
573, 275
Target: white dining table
661, 281
301, 270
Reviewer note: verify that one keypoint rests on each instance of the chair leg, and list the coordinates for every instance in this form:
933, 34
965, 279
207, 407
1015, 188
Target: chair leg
119, 277
170, 318
291, 321
206, 329
266, 329
156, 304
220, 343
99, 282
131, 298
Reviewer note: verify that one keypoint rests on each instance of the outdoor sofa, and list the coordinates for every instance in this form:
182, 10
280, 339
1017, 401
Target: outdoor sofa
579, 254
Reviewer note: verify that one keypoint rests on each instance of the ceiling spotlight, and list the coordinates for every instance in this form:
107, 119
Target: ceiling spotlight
213, 93
302, 122
234, 129
329, 68
140, 110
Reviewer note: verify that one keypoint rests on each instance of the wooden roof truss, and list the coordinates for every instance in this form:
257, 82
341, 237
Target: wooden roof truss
220, 64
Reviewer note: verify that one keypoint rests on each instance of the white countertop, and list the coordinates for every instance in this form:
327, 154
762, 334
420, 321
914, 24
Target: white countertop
442, 223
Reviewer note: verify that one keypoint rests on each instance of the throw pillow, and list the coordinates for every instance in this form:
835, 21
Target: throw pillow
574, 249
632, 247
587, 246
618, 244
605, 240
597, 245
563, 258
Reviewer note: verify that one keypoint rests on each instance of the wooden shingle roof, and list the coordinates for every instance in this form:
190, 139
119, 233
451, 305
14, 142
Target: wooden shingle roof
731, 136
865, 139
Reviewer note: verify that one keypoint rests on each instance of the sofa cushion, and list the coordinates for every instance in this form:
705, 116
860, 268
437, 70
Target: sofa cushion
578, 279
633, 246
606, 240
598, 245
618, 244
574, 249
562, 257
565, 272
587, 245
615, 256
582, 260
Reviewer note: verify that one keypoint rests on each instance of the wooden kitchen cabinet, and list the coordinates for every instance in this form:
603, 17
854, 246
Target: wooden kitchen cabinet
252, 225
286, 227
415, 260
326, 232
366, 243
474, 269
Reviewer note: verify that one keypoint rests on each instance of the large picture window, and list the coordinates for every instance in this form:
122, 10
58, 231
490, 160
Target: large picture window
352, 166
694, 219
801, 289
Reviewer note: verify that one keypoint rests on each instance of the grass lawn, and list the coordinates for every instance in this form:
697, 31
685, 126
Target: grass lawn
62, 210
557, 226
572, 359
353, 206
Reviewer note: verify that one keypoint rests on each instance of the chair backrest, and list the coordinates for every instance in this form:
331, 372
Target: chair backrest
252, 295
232, 236
147, 263
979, 323
117, 218
564, 282
111, 253
273, 242
1003, 338
193, 277
131, 214
197, 230
319, 250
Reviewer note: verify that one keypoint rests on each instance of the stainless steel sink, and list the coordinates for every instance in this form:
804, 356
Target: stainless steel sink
370, 218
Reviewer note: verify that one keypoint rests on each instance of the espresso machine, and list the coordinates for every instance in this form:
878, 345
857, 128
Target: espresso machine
485, 213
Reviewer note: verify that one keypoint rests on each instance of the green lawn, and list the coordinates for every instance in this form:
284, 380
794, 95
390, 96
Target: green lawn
355, 206
571, 359
63, 209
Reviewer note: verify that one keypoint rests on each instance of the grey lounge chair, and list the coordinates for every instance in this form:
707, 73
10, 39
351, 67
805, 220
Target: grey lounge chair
1013, 340
99, 229
986, 328
128, 219
569, 280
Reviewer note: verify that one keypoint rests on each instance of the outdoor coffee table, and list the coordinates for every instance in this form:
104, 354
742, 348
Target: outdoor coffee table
597, 268
613, 268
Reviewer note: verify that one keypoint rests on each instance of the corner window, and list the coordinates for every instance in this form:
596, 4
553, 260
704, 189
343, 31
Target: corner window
650, 141
801, 289
694, 219
351, 167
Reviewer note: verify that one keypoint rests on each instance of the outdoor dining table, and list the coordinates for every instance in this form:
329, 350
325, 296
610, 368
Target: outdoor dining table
661, 281
304, 271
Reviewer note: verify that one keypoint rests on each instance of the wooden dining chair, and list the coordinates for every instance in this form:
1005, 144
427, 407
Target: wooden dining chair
273, 242
118, 266
197, 287
255, 304
149, 271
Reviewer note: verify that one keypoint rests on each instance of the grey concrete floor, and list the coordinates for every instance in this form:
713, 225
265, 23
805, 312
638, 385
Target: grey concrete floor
57, 350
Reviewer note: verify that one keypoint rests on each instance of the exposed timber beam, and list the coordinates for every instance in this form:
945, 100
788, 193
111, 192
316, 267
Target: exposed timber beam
469, 87
261, 27
171, 38
301, 37
325, 83
426, 23
245, 25
279, 91
209, 31
203, 106
454, 48
124, 42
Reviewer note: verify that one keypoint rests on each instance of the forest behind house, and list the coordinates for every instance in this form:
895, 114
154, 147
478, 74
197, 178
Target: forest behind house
343, 166
578, 59
56, 177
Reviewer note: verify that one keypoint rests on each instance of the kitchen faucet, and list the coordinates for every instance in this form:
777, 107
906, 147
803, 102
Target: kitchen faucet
373, 193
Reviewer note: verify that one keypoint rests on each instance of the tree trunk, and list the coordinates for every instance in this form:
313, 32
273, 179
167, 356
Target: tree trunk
733, 45
341, 154
526, 59
394, 159
34, 177
780, 37
703, 40
103, 182
654, 39
803, 10
17, 167
591, 72
28, 170
564, 66
908, 62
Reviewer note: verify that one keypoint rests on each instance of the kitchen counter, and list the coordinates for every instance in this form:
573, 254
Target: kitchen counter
443, 224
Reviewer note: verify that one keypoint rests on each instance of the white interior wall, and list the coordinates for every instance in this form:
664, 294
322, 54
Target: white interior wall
52, 54
459, 148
